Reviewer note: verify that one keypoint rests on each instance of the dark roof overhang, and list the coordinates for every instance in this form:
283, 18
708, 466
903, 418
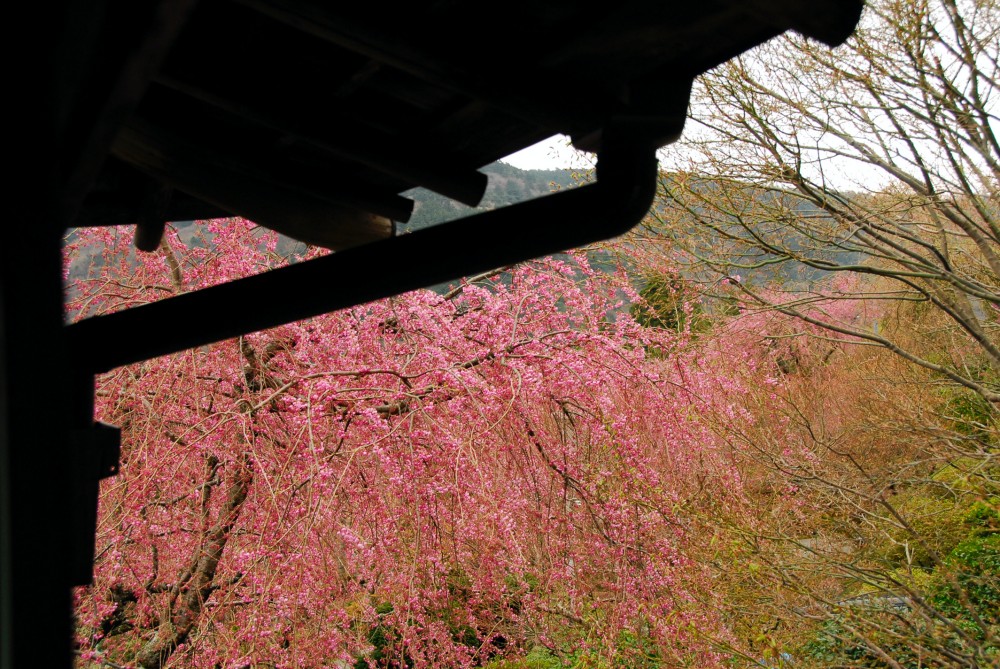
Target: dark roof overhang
314, 119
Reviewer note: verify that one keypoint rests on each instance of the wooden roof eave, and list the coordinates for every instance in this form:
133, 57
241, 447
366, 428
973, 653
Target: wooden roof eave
252, 189
317, 201
404, 158
108, 63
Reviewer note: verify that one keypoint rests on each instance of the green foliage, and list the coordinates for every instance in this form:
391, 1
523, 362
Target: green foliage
538, 657
631, 651
831, 644
669, 303
384, 640
387, 641
970, 415
635, 651
954, 567
983, 517
967, 589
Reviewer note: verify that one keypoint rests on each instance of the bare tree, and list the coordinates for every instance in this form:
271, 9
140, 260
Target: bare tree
879, 159
855, 192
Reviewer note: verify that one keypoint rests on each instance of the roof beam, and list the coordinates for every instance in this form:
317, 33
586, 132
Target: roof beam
108, 209
124, 195
548, 106
404, 158
105, 83
313, 213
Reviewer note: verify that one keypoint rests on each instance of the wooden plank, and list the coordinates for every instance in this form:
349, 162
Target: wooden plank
152, 215
250, 189
119, 198
272, 155
127, 44
547, 105
85, 67
118, 209
408, 159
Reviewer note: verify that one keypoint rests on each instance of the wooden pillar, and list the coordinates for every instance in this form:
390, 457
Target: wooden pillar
35, 459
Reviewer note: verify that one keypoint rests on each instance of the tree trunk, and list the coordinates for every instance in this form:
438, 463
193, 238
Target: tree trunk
189, 594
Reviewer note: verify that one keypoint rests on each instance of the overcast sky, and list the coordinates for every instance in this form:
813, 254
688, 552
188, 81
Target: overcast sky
551, 154
556, 153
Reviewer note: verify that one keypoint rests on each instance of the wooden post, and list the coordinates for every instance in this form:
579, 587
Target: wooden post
35, 459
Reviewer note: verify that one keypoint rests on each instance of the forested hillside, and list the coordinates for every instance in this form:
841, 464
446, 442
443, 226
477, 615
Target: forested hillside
507, 185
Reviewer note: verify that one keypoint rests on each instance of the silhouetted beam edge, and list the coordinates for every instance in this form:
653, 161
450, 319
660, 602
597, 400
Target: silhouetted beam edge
492, 239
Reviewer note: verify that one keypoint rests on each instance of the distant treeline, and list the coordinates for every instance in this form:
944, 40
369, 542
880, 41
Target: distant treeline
507, 185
